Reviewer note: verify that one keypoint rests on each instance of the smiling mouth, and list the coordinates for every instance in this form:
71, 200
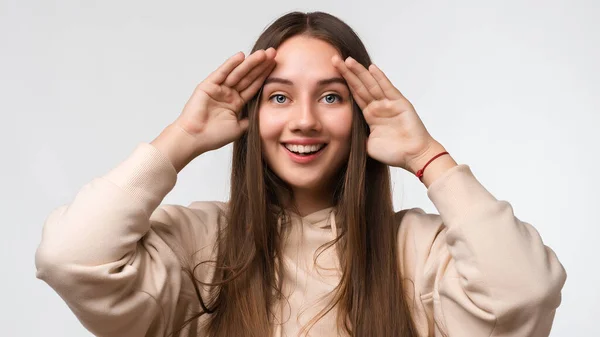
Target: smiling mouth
305, 150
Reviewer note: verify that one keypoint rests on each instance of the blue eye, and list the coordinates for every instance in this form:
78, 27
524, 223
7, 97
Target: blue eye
277, 96
334, 96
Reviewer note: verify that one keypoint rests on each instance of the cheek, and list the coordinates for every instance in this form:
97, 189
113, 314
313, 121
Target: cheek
339, 126
270, 127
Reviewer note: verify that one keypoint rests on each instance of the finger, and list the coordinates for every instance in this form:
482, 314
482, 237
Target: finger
243, 69
220, 74
353, 83
366, 78
359, 91
390, 91
249, 92
257, 71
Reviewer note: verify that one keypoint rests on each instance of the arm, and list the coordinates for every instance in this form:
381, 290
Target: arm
485, 272
114, 257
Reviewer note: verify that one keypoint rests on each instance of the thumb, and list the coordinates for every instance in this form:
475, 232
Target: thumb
243, 123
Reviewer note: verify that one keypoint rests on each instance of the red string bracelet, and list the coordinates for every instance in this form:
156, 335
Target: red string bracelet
420, 172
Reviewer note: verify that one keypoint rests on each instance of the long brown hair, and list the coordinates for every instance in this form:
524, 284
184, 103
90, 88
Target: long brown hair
369, 298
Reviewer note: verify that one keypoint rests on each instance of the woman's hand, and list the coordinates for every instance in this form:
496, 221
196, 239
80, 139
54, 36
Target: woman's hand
398, 136
211, 115
210, 118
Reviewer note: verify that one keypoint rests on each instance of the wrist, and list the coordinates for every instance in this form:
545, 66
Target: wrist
177, 145
432, 149
436, 167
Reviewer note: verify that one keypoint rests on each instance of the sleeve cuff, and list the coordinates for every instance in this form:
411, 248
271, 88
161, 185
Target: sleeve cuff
147, 174
457, 192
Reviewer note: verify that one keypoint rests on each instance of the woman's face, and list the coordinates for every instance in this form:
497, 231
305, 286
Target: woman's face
305, 115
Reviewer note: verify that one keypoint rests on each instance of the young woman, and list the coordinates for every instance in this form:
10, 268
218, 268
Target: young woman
308, 243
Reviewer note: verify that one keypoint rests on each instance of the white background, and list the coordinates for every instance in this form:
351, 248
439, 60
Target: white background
508, 87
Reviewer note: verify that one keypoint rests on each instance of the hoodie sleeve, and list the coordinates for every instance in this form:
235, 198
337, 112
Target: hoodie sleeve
477, 268
115, 256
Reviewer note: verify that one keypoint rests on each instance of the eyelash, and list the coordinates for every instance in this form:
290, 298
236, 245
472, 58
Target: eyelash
339, 98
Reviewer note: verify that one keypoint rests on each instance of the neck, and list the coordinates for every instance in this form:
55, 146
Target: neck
308, 201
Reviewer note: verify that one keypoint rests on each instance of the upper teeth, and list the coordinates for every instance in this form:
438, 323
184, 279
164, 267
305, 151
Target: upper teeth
304, 148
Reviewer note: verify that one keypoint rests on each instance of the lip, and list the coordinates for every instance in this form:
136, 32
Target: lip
303, 159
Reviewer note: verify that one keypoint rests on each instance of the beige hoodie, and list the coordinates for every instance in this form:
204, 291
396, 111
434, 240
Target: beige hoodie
114, 255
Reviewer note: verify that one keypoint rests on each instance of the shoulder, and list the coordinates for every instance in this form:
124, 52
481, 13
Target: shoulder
421, 242
209, 211
191, 228
197, 213
416, 228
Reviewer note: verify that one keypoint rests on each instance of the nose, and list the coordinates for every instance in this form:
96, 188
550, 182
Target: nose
305, 119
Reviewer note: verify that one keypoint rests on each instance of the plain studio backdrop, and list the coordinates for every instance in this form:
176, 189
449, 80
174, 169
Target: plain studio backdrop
508, 87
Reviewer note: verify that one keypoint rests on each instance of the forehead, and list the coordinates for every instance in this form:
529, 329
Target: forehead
305, 56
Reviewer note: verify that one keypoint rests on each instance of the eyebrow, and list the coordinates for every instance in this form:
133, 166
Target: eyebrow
320, 83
